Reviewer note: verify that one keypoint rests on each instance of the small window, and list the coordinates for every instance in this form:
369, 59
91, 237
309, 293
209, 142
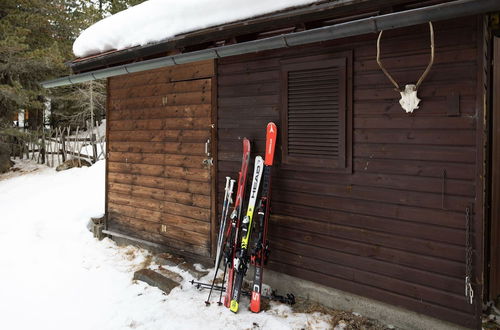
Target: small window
315, 112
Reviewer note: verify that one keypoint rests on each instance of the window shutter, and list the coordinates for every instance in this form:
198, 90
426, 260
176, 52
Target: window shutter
314, 112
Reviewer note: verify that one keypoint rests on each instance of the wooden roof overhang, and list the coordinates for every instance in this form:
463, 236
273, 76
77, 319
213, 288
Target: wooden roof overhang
299, 19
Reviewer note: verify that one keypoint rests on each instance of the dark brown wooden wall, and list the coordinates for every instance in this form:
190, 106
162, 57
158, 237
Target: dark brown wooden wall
393, 230
158, 122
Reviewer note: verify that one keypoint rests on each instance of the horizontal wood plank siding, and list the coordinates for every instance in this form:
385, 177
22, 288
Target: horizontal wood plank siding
393, 230
158, 122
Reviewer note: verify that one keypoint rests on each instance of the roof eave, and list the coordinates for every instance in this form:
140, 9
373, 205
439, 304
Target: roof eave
177, 44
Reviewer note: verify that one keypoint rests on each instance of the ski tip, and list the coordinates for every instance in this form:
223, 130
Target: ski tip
234, 306
246, 144
271, 133
271, 127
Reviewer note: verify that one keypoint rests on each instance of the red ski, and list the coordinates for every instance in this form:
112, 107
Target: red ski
261, 251
232, 236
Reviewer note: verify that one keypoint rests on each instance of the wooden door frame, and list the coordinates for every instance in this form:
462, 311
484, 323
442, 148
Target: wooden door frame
213, 170
494, 275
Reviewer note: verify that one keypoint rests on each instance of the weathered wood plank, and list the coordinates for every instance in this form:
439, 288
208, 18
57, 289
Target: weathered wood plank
174, 172
190, 71
179, 100
431, 106
139, 231
423, 277
371, 236
159, 124
180, 148
180, 185
465, 88
440, 266
157, 159
448, 55
387, 123
174, 223
415, 168
371, 292
458, 154
333, 200
412, 290
170, 135
137, 208
133, 191
170, 111
162, 89
134, 212
293, 181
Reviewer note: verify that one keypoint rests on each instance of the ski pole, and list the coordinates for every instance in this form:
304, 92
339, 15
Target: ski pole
223, 280
227, 202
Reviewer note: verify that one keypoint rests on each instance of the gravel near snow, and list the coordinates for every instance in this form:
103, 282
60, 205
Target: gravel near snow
55, 275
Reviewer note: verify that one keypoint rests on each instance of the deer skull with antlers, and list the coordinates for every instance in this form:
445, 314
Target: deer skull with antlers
409, 100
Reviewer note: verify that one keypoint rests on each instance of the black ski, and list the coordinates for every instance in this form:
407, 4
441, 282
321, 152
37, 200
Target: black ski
261, 250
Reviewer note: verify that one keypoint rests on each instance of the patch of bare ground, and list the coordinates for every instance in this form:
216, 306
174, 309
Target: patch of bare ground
339, 319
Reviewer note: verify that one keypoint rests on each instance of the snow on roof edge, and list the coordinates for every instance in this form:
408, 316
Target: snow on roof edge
157, 20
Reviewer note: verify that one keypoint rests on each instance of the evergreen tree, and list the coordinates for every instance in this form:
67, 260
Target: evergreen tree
36, 38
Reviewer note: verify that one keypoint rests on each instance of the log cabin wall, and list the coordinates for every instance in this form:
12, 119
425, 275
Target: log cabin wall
392, 226
158, 188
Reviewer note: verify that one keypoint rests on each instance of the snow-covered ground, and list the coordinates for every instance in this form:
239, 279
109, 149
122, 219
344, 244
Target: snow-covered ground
55, 275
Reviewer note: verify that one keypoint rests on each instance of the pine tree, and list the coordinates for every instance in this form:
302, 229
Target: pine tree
36, 38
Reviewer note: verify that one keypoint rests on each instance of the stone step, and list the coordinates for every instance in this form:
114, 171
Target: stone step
156, 279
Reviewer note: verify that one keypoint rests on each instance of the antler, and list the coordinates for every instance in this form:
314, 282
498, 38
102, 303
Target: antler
380, 63
421, 79
431, 29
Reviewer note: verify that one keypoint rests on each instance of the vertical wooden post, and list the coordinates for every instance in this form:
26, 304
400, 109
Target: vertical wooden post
94, 147
494, 289
77, 147
42, 149
63, 145
52, 148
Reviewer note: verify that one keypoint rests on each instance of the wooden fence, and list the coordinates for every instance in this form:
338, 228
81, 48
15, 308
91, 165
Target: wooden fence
54, 146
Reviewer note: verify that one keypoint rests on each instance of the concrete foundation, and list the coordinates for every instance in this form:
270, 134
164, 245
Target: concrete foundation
391, 315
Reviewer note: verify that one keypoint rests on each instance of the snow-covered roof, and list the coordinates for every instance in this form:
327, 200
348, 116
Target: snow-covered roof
156, 20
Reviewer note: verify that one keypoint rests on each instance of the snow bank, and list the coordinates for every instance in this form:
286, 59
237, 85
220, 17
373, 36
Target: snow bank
55, 275
157, 20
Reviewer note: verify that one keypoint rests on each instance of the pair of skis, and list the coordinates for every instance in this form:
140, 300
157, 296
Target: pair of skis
262, 170
231, 243
228, 235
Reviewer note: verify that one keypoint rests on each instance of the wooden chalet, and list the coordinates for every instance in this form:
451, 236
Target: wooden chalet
367, 199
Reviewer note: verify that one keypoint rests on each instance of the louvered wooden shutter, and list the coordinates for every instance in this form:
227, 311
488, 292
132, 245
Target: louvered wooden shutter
314, 115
